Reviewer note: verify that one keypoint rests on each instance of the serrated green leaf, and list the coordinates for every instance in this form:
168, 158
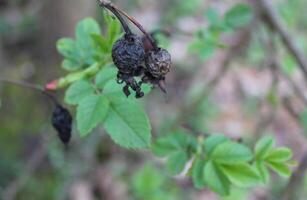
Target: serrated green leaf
242, 175
127, 123
279, 155
91, 111
212, 142
231, 153
263, 171
263, 146
77, 91
215, 179
238, 16
104, 75
176, 162
280, 168
198, 173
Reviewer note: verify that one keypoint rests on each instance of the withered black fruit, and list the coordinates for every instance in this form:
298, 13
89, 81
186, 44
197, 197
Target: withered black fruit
62, 121
128, 53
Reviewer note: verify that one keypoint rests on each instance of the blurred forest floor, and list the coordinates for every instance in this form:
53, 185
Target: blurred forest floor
254, 87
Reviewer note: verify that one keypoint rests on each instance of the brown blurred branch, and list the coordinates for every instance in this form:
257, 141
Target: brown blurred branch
288, 106
271, 18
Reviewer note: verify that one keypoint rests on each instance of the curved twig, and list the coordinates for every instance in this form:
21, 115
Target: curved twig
31, 86
113, 8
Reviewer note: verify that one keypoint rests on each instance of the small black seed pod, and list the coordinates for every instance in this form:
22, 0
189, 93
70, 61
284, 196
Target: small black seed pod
158, 63
128, 53
62, 122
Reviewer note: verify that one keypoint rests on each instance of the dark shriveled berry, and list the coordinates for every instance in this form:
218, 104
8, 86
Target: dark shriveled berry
62, 122
158, 63
128, 53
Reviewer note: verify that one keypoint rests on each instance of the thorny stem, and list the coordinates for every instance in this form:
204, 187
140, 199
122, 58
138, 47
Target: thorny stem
113, 8
31, 86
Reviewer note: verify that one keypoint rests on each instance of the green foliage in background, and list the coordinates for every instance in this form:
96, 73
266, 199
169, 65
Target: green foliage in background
208, 40
151, 184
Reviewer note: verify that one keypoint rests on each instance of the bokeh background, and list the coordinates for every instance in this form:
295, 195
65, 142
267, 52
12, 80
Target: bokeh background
254, 88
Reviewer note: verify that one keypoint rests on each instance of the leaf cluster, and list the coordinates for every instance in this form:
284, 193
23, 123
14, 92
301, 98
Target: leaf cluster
207, 40
218, 162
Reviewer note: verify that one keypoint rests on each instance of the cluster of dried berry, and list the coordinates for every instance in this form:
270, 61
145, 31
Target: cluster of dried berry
138, 57
131, 59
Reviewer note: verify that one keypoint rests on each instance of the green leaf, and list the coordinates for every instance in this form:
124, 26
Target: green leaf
213, 141
82, 52
67, 47
102, 43
263, 146
279, 155
106, 74
71, 65
127, 123
84, 31
198, 173
238, 16
77, 91
231, 153
215, 179
281, 168
91, 111
263, 171
212, 15
176, 162
164, 146
84, 41
113, 88
147, 180
114, 30
172, 143
242, 175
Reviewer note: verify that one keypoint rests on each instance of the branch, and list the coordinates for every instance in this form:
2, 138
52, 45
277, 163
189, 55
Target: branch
31, 86
271, 18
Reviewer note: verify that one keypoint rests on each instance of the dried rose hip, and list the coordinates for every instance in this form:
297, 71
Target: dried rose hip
158, 63
62, 122
128, 53
128, 56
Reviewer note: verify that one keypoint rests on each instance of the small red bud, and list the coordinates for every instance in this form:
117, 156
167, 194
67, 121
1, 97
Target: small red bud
53, 85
